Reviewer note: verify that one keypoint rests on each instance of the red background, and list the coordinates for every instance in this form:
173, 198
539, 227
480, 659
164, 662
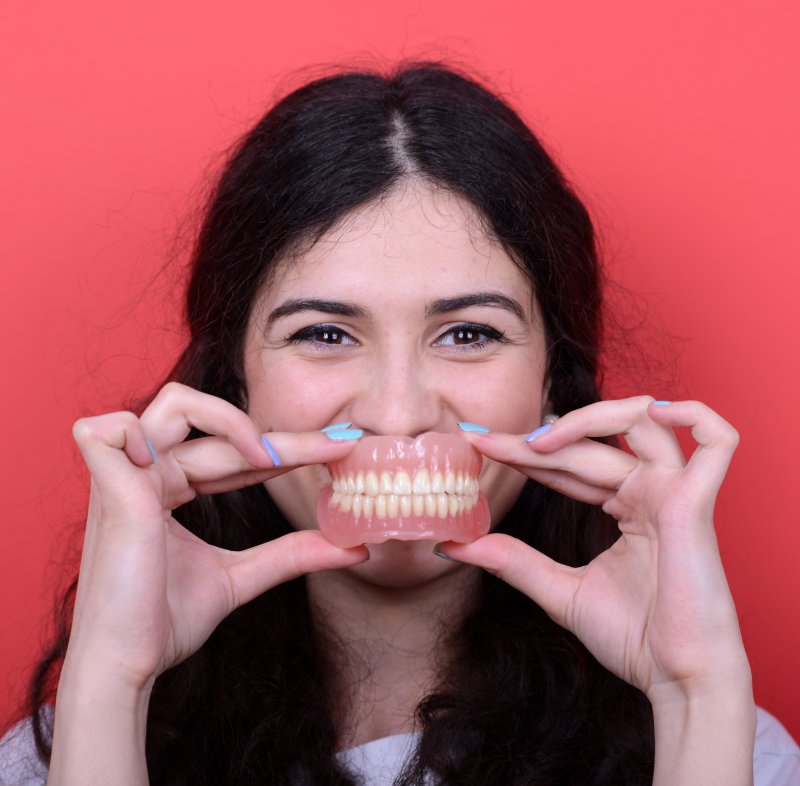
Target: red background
678, 122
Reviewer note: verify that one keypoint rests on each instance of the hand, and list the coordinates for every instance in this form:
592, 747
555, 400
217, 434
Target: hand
655, 608
150, 592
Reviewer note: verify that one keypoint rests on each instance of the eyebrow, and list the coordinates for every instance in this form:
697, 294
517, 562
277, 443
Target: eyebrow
313, 304
476, 299
441, 306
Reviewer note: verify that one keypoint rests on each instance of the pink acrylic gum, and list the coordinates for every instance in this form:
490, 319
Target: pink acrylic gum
406, 489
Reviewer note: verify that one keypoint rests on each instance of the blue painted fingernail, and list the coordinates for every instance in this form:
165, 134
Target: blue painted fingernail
472, 427
336, 427
660, 403
345, 433
152, 451
439, 553
271, 452
539, 431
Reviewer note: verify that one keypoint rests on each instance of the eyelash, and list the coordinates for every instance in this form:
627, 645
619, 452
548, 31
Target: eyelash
490, 335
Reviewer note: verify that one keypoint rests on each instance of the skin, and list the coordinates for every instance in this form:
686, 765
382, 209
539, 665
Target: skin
654, 609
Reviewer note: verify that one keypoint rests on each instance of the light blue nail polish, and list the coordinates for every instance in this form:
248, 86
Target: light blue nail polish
660, 403
539, 431
445, 556
152, 451
473, 427
271, 452
345, 433
336, 427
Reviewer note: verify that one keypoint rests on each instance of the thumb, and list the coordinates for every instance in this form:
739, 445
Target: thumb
548, 583
258, 569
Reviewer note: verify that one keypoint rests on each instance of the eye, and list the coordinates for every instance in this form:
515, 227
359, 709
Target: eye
469, 336
322, 337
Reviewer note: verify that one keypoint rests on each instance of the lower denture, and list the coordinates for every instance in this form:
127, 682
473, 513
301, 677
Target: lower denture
404, 489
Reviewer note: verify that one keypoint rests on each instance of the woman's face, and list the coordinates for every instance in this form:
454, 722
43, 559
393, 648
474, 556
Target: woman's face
404, 319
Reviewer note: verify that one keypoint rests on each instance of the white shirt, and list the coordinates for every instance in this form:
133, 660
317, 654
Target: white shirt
776, 761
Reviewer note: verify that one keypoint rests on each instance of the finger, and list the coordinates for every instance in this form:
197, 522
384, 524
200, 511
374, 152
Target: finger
593, 463
569, 486
254, 571
213, 464
716, 440
177, 409
648, 439
546, 582
112, 442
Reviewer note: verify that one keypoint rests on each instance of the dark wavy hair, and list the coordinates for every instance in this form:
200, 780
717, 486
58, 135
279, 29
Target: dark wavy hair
522, 702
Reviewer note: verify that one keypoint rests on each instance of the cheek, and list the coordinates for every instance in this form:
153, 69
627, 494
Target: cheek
293, 397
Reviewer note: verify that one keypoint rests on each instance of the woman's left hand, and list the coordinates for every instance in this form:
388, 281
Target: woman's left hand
655, 608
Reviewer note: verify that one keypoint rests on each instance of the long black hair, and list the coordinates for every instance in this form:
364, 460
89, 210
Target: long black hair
522, 702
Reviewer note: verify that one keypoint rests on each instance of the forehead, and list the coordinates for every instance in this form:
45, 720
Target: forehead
417, 241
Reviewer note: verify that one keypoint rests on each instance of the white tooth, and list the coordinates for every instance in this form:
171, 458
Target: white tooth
469, 502
380, 506
452, 505
371, 485
437, 483
360, 483
405, 504
345, 503
472, 487
441, 506
422, 482
392, 505
402, 483
387, 487
460, 483
351, 484
430, 505
369, 503
335, 498
450, 483
357, 502
461, 504
335, 485
418, 504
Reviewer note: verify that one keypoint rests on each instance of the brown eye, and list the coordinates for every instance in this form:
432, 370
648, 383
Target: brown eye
465, 336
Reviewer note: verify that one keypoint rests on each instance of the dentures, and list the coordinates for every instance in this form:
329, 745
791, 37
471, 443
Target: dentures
404, 489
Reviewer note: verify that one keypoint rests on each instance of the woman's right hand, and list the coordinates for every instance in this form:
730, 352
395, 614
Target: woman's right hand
150, 592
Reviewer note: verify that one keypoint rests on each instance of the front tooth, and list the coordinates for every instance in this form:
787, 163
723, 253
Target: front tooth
450, 483
371, 485
387, 487
357, 502
380, 506
441, 505
402, 483
392, 505
405, 504
418, 504
437, 483
360, 483
351, 484
422, 482
460, 483
368, 504
430, 505
345, 503
452, 505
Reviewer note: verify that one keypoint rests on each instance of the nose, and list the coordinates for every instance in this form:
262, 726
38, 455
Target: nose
398, 396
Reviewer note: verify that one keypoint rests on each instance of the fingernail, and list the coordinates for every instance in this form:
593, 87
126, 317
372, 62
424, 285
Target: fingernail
271, 452
439, 553
345, 433
152, 451
660, 403
336, 427
472, 427
539, 431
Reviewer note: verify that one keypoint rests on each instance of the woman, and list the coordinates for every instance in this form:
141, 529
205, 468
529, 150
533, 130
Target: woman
394, 257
